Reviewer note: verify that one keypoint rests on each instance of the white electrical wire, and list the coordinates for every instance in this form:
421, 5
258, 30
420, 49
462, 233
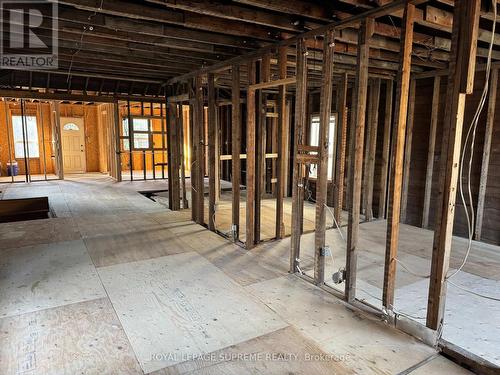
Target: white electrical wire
472, 130
473, 292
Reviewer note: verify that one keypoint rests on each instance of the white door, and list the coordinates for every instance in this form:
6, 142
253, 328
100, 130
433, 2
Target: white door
73, 144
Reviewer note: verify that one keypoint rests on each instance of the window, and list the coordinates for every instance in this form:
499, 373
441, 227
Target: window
71, 127
30, 135
314, 141
141, 135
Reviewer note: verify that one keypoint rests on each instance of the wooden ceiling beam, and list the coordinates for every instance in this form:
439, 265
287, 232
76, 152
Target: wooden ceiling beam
153, 28
234, 12
188, 19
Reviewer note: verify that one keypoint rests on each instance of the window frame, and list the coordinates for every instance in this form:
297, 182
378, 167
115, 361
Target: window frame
26, 138
333, 115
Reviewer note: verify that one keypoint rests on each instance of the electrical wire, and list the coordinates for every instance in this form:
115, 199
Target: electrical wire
471, 133
473, 292
472, 130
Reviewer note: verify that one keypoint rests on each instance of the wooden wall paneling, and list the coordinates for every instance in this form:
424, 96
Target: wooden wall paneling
430, 153
282, 143
386, 148
235, 149
400, 118
361, 88
371, 148
250, 162
298, 139
341, 129
408, 148
212, 147
322, 178
488, 136
465, 25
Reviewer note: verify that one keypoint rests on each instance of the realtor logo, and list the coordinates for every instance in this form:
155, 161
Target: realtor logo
28, 34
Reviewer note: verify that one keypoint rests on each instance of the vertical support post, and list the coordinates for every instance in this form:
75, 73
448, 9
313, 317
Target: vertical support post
386, 148
194, 152
212, 144
350, 159
361, 88
130, 141
236, 148
338, 190
400, 117
282, 137
173, 163
490, 120
323, 145
407, 154
460, 83
117, 142
371, 149
261, 135
250, 163
198, 164
182, 156
430, 152
59, 155
298, 139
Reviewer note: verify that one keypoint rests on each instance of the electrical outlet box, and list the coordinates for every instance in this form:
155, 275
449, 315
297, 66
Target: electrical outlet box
326, 251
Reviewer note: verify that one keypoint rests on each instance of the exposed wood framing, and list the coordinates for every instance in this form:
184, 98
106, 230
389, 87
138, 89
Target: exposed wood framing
430, 152
386, 148
361, 88
236, 148
371, 148
250, 163
182, 156
338, 184
400, 118
260, 133
298, 139
322, 179
213, 161
282, 143
408, 147
198, 164
488, 136
465, 24
173, 158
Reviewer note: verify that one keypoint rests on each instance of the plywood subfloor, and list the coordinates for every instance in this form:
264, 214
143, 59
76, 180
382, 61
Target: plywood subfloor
182, 305
81, 338
468, 318
40, 277
134, 243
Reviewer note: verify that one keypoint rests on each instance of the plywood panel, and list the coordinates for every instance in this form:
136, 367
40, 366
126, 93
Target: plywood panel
83, 338
44, 276
26, 233
182, 305
370, 346
285, 351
